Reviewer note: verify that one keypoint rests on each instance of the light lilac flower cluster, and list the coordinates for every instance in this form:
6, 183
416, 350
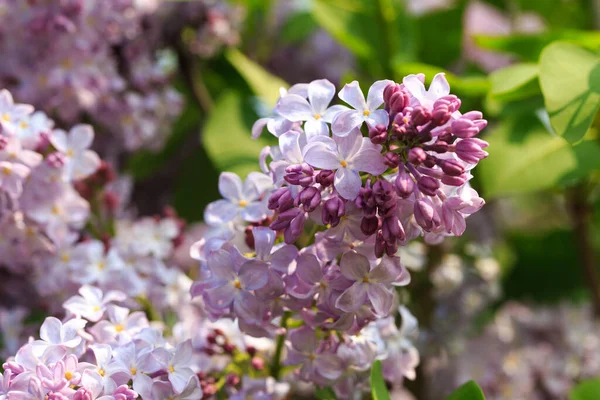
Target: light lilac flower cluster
105, 60
348, 201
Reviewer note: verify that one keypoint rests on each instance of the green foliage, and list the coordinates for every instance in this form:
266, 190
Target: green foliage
468, 391
325, 394
525, 158
298, 27
570, 82
586, 390
514, 82
379, 390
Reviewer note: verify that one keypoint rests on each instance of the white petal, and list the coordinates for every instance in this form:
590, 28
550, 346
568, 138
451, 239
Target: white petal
295, 108
414, 86
377, 117
368, 160
347, 182
220, 211
319, 155
352, 95
289, 144
81, 136
59, 140
230, 186
439, 86
375, 96
345, 121
314, 128
349, 145
320, 94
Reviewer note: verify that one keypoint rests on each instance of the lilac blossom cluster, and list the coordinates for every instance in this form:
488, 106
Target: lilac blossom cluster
348, 185
107, 61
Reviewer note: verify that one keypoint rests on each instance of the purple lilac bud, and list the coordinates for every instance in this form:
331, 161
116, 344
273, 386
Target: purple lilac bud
300, 174
325, 178
426, 215
392, 229
56, 159
379, 245
442, 112
416, 155
378, 134
454, 180
333, 210
281, 200
309, 199
471, 150
3, 140
439, 147
369, 225
428, 185
365, 200
452, 167
420, 116
468, 125
391, 159
385, 197
404, 184
390, 90
293, 232
284, 219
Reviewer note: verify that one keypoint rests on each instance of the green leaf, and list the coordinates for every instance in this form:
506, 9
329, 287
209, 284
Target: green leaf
227, 138
587, 390
325, 394
379, 390
514, 82
570, 82
525, 158
468, 391
263, 83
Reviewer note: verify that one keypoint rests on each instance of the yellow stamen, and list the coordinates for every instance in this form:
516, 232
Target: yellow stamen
250, 254
65, 258
171, 369
312, 357
70, 153
101, 372
6, 171
101, 265
119, 328
237, 284
242, 203
343, 163
5, 117
317, 116
68, 375
23, 125
55, 210
365, 279
96, 308
366, 113
133, 371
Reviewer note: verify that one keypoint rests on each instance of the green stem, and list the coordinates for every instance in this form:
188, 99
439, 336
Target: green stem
276, 363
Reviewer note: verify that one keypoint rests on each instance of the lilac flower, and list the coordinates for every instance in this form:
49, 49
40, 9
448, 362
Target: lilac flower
11, 113
139, 365
303, 351
12, 176
12, 151
191, 391
92, 303
315, 111
426, 97
371, 286
278, 124
179, 366
243, 200
348, 156
54, 333
80, 162
364, 111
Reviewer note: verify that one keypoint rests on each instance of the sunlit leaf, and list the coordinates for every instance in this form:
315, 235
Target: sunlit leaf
468, 391
570, 82
586, 390
379, 390
514, 82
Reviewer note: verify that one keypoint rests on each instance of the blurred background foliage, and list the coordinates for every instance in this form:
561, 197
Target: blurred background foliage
513, 59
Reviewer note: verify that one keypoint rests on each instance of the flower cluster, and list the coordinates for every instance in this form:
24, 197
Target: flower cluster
348, 185
104, 60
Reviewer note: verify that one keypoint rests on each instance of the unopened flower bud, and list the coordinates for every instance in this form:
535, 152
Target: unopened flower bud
416, 155
284, 219
281, 200
333, 210
391, 159
299, 174
378, 134
379, 245
404, 184
420, 116
369, 225
471, 150
258, 363
3, 140
426, 215
428, 185
309, 199
454, 180
392, 229
56, 159
469, 125
390, 90
325, 178
452, 167
295, 229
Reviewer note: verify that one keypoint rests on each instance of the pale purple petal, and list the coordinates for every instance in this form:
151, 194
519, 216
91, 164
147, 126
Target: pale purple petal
81, 137
320, 155
85, 164
381, 299
254, 275
279, 125
329, 366
258, 127
414, 86
59, 140
354, 266
347, 182
289, 143
183, 354
346, 121
309, 269
377, 117
304, 340
375, 96
230, 186
387, 271
320, 94
439, 86
314, 128
352, 95
349, 145
222, 296
368, 160
50, 330
295, 108
353, 298
220, 211
254, 212
248, 307
264, 238
283, 257
331, 112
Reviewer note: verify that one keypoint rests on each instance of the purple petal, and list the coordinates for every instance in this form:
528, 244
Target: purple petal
289, 144
315, 128
220, 264
368, 160
254, 275
279, 125
303, 340
345, 121
377, 117
328, 366
254, 212
248, 307
353, 298
332, 111
347, 182
230, 186
381, 298
354, 266
222, 296
439, 86
220, 211
352, 95
283, 257
320, 155
295, 108
320, 93
263, 241
309, 269
349, 145
375, 96
389, 270
258, 127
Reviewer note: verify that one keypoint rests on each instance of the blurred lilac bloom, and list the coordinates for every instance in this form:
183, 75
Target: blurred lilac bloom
456, 208
92, 303
278, 124
54, 333
303, 351
11, 113
79, 162
314, 111
178, 369
364, 110
12, 176
370, 285
164, 390
239, 199
426, 97
348, 156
